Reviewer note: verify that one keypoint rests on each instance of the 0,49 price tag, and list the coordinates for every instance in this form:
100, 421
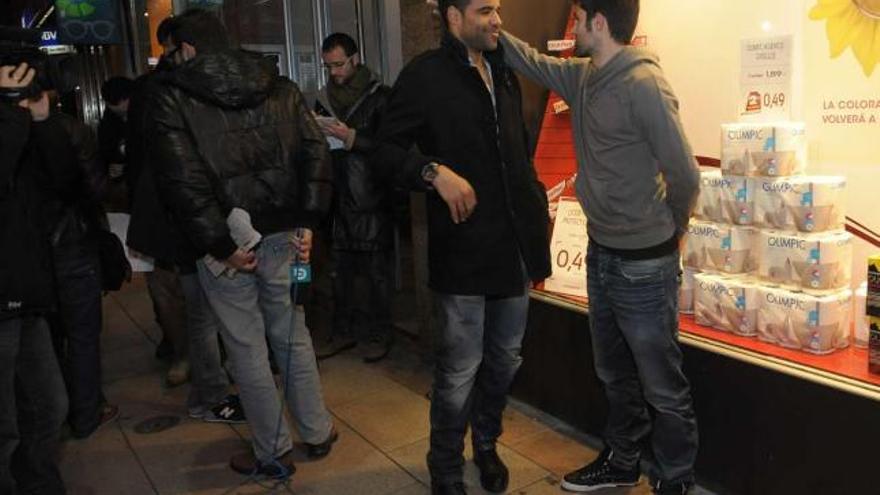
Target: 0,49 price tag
568, 250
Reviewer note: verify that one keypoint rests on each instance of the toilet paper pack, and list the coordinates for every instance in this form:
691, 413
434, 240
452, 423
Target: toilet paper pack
709, 201
809, 262
686, 291
738, 200
721, 248
804, 203
768, 149
816, 324
728, 303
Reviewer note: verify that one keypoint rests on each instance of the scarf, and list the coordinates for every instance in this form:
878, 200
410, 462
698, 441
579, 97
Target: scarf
343, 97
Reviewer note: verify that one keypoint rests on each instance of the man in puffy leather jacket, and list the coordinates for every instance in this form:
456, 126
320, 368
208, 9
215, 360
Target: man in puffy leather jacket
349, 109
226, 131
487, 228
33, 401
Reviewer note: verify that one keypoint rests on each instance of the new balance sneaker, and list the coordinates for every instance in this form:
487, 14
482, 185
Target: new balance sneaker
229, 410
667, 488
599, 474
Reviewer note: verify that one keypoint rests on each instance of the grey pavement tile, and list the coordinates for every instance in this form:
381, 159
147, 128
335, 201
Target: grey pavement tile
519, 427
102, 463
354, 467
389, 418
523, 472
345, 378
555, 452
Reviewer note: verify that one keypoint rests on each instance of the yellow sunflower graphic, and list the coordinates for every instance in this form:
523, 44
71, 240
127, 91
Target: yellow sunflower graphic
852, 23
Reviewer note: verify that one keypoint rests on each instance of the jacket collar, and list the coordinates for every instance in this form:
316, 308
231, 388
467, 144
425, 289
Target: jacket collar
459, 51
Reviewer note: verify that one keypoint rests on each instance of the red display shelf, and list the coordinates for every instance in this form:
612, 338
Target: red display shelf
851, 363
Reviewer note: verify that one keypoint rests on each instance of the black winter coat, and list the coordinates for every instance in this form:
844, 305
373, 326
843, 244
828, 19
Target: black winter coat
362, 211
25, 270
441, 104
227, 131
152, 230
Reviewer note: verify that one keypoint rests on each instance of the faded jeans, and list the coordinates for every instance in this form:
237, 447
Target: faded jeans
634, 327
209, 380
252, 307
478, 354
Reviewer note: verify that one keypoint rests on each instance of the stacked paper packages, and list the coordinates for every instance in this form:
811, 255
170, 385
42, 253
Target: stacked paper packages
816, 324
805, 203
686, 291
768, 150
727, 303
720, 248
809, 262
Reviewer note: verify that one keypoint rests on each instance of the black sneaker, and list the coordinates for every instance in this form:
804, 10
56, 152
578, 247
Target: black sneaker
494, 475
599, 474
333, 346
666, 488
246, 464
448, 489
229, 411
320, 450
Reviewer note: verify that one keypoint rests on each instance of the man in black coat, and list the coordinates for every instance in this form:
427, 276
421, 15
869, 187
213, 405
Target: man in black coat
228, 133
348, 111
33, 401
487, 227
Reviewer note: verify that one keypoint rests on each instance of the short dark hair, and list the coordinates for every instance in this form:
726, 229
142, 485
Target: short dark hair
341, 40
116, 89
201, 29
622, 16
443, 7
164, 30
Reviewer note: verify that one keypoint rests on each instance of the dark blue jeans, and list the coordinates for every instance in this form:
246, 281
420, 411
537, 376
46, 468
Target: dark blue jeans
634, 326
77, 329
33, 405
478, 354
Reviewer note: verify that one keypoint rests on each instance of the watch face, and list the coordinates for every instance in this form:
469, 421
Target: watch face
429, 173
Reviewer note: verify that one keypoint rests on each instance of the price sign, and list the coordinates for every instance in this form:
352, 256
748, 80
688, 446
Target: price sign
765, 79
560, 45
568, 250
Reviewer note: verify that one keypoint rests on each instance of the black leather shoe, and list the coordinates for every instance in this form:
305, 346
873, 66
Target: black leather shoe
319, 450
493, 473
448, 489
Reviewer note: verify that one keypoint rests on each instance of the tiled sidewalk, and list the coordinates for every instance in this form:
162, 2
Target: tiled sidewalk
380, 410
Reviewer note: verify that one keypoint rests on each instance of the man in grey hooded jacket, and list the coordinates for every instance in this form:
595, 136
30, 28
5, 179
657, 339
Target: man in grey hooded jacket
637, 182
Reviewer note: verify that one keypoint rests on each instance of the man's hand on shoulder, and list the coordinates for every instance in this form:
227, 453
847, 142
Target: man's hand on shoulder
457, 192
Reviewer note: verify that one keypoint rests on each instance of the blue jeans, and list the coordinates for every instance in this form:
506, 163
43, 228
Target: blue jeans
252, 307
634, 327
209, 382
477, 356
33, 405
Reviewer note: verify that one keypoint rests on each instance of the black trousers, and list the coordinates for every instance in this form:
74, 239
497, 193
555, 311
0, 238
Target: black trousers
373, 302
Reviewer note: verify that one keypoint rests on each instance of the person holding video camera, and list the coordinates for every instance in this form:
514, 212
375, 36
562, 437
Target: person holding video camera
33, 400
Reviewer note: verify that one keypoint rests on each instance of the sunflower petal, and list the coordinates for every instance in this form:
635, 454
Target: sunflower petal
829, 8
841, 30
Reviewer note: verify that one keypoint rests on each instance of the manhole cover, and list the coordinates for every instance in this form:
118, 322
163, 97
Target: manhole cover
157, 424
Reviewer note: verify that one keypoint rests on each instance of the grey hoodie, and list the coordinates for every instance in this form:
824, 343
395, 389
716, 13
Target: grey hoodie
637, 177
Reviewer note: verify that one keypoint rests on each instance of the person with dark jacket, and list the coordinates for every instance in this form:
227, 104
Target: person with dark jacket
231, 139
349, 109
33, 400
71, 181
189, 326
112, 139
487, 227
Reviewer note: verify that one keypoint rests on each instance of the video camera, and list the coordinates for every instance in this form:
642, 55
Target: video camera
53, 72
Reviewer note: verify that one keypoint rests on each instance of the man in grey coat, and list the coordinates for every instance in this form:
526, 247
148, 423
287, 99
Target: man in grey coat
637, 182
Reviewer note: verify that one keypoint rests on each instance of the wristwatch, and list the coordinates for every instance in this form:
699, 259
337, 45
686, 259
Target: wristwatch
429, 172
